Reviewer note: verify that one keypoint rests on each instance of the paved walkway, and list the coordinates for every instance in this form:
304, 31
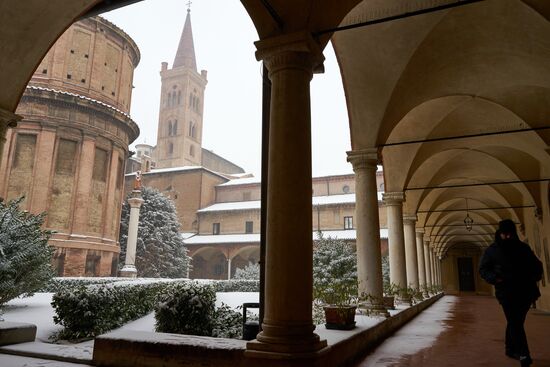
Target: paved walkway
472, 335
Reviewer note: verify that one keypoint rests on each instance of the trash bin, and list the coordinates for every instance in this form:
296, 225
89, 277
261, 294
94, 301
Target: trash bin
250, 328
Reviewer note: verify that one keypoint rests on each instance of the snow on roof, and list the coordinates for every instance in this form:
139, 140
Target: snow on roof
344, 234
256, 204
242, 181
186, 235
175, 169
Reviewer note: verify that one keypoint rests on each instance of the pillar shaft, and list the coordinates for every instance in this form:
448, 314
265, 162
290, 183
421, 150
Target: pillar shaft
228, 268
369, 257
411, 260
427, 262
420, 257
129, 268
432, 267
396, 242
287, 325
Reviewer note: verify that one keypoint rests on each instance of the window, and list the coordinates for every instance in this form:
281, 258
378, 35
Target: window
170, 148
169, 128
348, 222
215, 228
345, 189
101, 161
59, 259
249, 227
92, 264
192, 151
175, 128
381, 187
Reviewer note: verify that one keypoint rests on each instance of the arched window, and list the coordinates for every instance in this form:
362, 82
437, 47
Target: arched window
169, 128
197, 105
192, 151
179, 97
190, 132
193, 131
175, 128
169, 99
170, 148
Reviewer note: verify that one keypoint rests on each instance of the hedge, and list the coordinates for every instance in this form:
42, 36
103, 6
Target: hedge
89, 310
87, 307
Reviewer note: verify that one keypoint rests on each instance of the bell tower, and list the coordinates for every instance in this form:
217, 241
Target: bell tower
179, 136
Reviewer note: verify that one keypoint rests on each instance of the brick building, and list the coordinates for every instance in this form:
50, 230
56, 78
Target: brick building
67, 154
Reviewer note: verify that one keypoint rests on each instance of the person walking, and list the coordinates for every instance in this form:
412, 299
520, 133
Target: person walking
511, 266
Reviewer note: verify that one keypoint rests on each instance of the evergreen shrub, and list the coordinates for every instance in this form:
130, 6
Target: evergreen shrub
25, 256
227, 323
186, 308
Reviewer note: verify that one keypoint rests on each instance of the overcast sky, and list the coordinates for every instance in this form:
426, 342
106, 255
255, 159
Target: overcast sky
224, 35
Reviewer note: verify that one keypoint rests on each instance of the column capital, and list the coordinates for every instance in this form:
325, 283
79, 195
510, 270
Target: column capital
393, 198
410, 219
8, 119
420, 231
363, 159
294, 50
135, 201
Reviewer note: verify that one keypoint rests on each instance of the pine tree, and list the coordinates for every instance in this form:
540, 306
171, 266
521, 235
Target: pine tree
25, 256
160, 250
249, 272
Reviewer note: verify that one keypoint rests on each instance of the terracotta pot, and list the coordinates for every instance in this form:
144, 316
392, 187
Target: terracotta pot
389, 302
340, 317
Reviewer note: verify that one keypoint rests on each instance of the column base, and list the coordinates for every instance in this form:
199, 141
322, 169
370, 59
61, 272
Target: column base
282, 349
298, 338
128, 271
373, 309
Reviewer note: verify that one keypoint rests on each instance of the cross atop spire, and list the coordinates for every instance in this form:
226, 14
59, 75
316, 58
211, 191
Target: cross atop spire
185, 56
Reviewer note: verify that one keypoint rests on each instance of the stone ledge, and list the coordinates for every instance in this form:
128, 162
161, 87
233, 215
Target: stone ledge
16, 332
146, 349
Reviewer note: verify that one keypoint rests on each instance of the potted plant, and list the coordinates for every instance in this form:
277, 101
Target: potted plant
335, 282
390, 291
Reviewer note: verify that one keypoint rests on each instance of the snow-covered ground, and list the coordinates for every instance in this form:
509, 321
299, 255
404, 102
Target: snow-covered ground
35, 310
38, 310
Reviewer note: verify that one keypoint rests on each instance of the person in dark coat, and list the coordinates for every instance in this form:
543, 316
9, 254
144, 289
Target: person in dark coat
512, 267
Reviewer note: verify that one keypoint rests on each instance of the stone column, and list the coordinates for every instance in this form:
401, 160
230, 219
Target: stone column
129, 269
432, 267
287, 325
409, 230
396, 242
7, 119
228, 268
420, 259
429, 282
369, 258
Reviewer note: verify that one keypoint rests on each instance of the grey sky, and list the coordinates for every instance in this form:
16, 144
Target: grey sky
224, 36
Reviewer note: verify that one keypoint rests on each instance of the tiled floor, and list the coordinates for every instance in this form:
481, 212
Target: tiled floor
473, 336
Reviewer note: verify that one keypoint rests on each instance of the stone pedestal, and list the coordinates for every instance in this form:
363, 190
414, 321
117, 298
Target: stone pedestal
287, 325
369, 260
396, 242
129, 269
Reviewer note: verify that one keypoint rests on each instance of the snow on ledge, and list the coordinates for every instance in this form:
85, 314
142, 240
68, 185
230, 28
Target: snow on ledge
254, 238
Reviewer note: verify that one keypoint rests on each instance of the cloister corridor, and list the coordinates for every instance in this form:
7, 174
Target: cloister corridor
472, 335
